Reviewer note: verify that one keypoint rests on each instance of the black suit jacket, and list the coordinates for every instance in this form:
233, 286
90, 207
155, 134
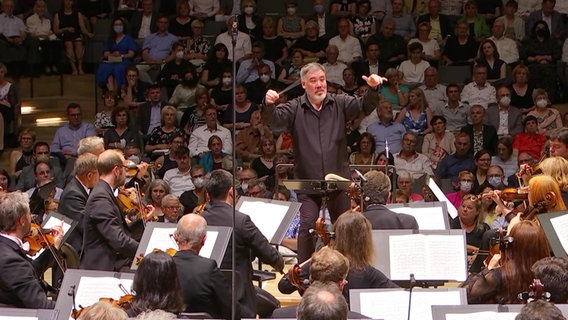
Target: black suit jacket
20, 284
136, 22
445, 24
361, 68
107, 244
144, 114
382, 218
204, 287
489, 138
72, 204
250, 243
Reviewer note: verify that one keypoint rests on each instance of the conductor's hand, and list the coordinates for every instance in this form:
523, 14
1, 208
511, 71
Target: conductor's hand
374, 80
271, 97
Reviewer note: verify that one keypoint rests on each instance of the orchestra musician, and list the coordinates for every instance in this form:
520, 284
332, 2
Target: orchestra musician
508, 273
557, 168
317, 121
204, 286
553, 274
250, 242
353, 239
20, 283
107, 244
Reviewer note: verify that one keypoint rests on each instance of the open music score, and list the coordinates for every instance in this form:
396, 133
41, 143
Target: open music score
555, 226
428, 215
54, 219
431, 255
482, 311
392, 304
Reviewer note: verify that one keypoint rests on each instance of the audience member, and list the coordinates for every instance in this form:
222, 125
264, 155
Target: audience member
410, 160
554, 20
348, 46
9, 104
40, 152
477, 26
39, 29
291, 25
438, 143
454, 111
191, 199
479, 91
66, 138
461, 160
249, 68
430, 48
249, 21
199, 138
529, 141
403, 20
243, 44
461, 49
416, 116
364, 23
311, 44
440, 24
120, 134
547, 116
488, 56
173, 72
143, 22
483, 136
21, 158
179, 179
505, 118
393, 46
413, 68
394, 91
505, 157
521, 89
218, 60
506, 47
157, 49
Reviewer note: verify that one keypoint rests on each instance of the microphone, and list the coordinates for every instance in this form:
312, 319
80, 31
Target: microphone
412, 285
234, 30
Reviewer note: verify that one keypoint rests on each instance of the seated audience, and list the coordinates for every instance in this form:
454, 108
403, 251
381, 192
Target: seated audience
529, 141
439, 143
547, 116
410, 160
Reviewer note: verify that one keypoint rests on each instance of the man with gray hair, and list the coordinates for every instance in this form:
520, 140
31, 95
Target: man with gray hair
323, 301
21, 285
317, 122
204, 286
172, 209
376, 191
94, 145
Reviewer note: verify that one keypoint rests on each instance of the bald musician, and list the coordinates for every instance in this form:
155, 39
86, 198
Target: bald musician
204, 286
107, 244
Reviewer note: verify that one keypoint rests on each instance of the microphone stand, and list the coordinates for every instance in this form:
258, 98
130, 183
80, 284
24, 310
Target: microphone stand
412, 285
234, 34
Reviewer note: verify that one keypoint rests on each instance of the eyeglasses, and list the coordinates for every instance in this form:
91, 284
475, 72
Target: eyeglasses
174, 208
255, 193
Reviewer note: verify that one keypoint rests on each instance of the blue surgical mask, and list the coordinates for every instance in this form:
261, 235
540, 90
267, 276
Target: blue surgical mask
118, 28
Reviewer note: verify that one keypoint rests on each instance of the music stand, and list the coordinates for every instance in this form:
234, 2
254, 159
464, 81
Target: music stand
55, 218
443, 312
72, 284
16, 313
321, 187
392, 304
271, 217
428, 215
157, 236
554, 227
422, 261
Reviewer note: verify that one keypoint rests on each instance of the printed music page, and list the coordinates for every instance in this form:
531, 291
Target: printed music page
207, 249
266, 216
91, 289
560, 225
428, 218
160, 239
393, 305
421, 254
486, 315
53, 221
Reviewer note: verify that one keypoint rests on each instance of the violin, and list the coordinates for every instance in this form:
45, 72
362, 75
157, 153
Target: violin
497, 245
124, 303
130, 203
38, 239
170, 251
132, 168
297, 280
514, 194
536, 292
537, 208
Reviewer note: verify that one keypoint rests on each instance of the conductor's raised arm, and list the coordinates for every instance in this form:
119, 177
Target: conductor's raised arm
271, 97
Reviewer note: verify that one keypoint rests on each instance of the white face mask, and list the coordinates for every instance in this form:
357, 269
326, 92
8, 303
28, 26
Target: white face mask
249, 10
541, 103
465, 186
199, 182
264, 78
134, 159
179, 55
291, 11
244, 187
494, 181
505, 101
226, 81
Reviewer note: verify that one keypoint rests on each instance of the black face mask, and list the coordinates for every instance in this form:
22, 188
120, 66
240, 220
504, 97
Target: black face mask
541, 32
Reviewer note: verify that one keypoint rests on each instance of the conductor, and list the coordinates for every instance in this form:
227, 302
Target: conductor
316, 121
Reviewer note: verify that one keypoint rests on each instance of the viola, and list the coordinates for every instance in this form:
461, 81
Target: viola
295, 278
130, 203
514, 194
537, 208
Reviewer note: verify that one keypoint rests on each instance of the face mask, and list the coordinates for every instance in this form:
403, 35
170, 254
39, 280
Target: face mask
227, 81
249, 10
505, 101
541, 103
244, 187
541, 32
134, 159
318, 8
291, 11
494, 181
118, 28
199, 182
264, 78
179, 55
465, 186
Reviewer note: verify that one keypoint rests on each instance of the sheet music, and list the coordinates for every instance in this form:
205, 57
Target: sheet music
160, 239
53, 221
421, 254
560, 225
428, 218
452, 211
486, 315
91, 289
266, 216
393, 305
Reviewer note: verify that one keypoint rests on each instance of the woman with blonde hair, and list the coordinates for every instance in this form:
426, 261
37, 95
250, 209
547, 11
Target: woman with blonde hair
416, 116
160, 136
557, 168
470, 219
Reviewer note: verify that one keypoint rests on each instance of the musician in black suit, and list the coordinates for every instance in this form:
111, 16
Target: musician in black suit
250, 241
74, 197
107, 244
204, 286
20, 283
376, 191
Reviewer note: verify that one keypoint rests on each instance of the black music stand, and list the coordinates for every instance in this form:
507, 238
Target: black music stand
40, 314
321, 187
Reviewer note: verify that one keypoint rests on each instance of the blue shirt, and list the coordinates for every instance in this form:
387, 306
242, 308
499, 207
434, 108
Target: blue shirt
246, 75
67, 138
450, 166
392, 132
159, 45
